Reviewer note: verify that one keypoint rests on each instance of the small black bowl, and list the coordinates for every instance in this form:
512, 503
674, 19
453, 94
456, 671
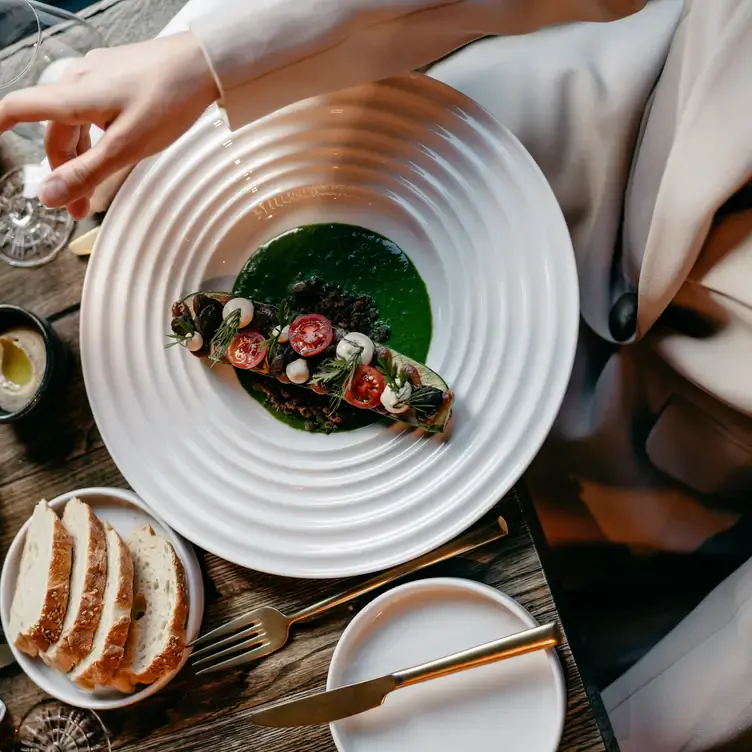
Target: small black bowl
12, 316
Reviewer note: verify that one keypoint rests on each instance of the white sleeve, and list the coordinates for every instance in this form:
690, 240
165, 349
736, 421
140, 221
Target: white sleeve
266, 54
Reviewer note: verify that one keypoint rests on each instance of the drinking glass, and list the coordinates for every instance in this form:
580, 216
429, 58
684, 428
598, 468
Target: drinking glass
37, 41
56, 727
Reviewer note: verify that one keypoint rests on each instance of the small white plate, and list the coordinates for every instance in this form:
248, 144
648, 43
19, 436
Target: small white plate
517, 705
125, 512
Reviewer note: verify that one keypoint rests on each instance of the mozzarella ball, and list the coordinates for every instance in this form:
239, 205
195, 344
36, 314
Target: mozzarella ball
246, 310
297, 371
353, 342
195, 343
282, 336
392, 400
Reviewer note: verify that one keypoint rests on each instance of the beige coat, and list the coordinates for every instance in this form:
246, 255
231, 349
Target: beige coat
644, 129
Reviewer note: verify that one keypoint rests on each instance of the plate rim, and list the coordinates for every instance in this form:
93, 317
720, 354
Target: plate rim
556, 389
459, 583
195, 583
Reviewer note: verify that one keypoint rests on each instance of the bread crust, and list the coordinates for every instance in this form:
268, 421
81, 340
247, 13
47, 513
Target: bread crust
102, 670
48, 629
73, 646
168, 659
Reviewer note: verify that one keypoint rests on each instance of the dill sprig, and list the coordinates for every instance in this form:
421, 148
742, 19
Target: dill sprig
183, 329
285, 315
388, 369
178, 339
423, 399
353, 363
224, 336
331, 371
338, 374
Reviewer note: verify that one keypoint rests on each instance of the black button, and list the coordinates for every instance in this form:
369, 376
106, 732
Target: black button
622, 321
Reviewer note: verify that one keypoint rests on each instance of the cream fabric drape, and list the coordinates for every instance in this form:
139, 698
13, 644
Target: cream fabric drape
644, 128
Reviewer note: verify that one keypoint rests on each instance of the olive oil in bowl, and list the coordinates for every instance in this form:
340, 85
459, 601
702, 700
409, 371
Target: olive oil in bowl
15, 364
31, 359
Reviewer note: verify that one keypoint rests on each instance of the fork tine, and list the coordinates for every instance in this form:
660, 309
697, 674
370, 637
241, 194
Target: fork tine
240, 660
255, 640
231, 626
255, 628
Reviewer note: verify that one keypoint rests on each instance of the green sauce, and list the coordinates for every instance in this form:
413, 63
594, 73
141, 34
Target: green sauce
362, 263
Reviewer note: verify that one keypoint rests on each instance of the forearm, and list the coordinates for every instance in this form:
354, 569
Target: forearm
267, 54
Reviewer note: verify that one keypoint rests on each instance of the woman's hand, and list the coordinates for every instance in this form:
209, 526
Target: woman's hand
144, 96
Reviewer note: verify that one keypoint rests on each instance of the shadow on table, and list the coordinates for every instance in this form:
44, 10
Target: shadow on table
62, 426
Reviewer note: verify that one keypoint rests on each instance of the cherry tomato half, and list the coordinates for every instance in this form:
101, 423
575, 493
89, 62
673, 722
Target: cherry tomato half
310, 334
366, 388
244, 351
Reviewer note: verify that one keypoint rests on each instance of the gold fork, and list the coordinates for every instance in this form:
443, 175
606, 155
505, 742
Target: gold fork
265, 630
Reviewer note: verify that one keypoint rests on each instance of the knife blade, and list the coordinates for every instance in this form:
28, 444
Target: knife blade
327, 707
353, 699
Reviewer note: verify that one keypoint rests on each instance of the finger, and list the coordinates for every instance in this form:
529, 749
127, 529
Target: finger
79, 209
60, 142
84, 140
74, 68
60, 102
79, 177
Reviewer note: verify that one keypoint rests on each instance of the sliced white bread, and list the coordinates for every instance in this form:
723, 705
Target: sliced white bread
40, 600
100, 666
157, 639
87, 583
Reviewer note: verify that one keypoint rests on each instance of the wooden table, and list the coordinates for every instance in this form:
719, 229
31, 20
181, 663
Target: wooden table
60, 450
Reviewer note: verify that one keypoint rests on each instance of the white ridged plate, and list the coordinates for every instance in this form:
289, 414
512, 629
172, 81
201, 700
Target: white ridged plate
426, 167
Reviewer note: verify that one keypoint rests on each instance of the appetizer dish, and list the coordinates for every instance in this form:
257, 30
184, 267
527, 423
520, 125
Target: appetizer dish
31, 360
108, 613
307, 350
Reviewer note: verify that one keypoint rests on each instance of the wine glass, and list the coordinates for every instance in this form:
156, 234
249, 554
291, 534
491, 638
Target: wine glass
30, 233
53, 726
37, 42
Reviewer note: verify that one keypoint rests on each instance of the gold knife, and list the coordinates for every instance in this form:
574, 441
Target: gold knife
353, 699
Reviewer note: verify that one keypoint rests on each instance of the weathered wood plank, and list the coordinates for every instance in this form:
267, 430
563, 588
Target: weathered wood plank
49, 289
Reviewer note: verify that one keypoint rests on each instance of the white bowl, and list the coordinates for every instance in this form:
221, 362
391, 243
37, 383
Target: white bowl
124, 511
517, 704
416, 162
